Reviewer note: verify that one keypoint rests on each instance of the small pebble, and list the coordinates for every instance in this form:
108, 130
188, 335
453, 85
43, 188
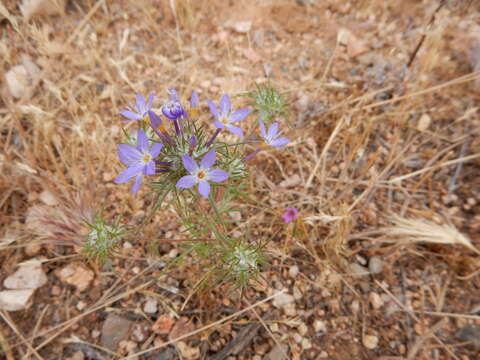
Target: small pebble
375, 300
150, 306
81, 305
370, 341
319, 326
293, 271
375, 265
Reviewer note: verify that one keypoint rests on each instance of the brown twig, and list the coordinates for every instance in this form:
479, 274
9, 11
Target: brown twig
424, 36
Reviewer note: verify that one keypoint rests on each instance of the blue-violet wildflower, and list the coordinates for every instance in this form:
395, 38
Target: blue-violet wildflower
225, 117
201, 174
140, 110
173, 109
271, 137
138, 159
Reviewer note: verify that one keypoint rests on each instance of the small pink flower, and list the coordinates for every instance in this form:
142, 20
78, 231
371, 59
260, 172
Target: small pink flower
290, 215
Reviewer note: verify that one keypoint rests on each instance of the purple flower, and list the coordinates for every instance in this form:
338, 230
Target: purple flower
173, 109
193, 111
290, 215
271, 137
138, 159
140, 110
201, 174
225, 118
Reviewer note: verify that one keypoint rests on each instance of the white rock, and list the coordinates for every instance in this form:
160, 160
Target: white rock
13, 300
370, 341
375, 265
17, 80
240, 26
319, 325
20, 78
358, 270
150, 306
30, 8
28, 276
282, 300
293, 271
375, 300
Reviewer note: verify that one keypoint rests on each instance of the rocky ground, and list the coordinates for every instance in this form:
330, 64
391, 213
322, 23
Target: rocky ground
383, 262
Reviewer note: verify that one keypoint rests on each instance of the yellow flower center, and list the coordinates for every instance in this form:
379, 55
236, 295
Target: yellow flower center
224, 120
193, 112
147, 158
201, 175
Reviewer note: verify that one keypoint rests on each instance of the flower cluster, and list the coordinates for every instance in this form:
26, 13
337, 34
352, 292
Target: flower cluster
186, 156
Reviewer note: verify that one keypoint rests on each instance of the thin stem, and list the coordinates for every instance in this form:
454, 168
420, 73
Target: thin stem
177, 128
212, 139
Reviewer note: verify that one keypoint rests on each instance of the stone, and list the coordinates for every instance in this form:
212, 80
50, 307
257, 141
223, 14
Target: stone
283, 299
33, 249
76, 274
424, 122
78, 355
370, 341
150, 306
182, 327
240, 26
278, 352
358, 270
375, 265
188, 353
163, 325
13, 300
32, 8
306, 344
376, 300
293, 271
319, 326
48, 198
28, 276
17, 80
470, 333
114, 330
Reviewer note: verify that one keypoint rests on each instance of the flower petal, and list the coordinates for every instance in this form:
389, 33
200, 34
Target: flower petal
217, 175
235, 129
189, 164
128, 154
155, 119
272, 131
213, 109
262, 129
208, 160
194, 100
280, 143
225, 105
149, 168
204, 188
150, 101
186, 182
239, 115
218, 124
137, 183
140, 103
130, 115
142, 140
155, 150
128, 174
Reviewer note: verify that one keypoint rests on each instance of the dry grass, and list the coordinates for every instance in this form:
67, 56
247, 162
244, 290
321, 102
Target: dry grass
358, 150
